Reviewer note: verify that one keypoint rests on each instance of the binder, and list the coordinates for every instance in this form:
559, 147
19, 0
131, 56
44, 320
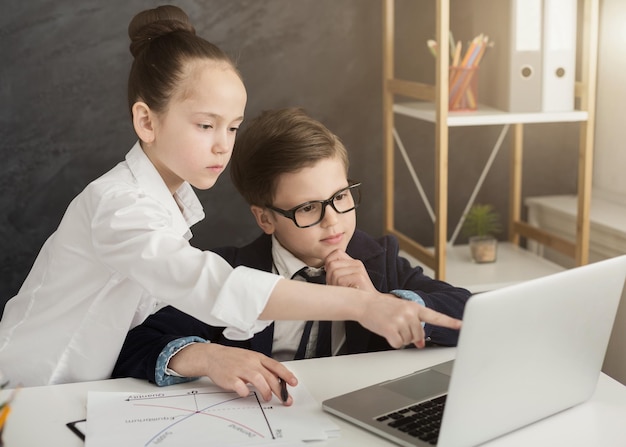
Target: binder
511, 76
559, 55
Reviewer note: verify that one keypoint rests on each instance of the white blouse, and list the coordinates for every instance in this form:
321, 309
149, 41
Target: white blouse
121, 250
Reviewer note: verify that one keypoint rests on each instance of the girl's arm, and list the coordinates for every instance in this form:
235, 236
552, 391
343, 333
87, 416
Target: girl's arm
399, 321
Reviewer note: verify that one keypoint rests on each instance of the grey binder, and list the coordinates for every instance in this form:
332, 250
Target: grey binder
511, 75
559, 55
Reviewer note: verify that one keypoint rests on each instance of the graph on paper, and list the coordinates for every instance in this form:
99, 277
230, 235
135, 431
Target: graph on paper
225, 415
193, 416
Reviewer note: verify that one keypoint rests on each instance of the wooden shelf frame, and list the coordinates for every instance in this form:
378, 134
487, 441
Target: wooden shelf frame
435, 257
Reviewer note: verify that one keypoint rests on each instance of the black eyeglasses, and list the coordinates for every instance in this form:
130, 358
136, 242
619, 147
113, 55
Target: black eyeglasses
311, 213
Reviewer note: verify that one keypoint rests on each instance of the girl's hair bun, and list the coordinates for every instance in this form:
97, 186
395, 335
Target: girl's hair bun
153, 23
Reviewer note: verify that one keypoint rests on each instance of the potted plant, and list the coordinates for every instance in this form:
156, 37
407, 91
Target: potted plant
481, 224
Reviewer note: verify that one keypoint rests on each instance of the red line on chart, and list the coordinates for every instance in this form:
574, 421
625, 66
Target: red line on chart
192, 412
201, 412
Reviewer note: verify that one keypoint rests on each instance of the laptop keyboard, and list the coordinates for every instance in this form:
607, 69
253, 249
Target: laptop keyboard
421, 421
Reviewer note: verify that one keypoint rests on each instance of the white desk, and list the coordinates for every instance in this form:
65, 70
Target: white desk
40, 413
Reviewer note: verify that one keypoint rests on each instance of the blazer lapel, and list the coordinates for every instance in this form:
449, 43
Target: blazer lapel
262, 342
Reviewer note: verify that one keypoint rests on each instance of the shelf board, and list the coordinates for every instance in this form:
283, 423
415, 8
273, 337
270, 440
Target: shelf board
514, 265
606, 216
485, 115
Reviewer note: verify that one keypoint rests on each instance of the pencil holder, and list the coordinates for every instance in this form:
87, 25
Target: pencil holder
463, 89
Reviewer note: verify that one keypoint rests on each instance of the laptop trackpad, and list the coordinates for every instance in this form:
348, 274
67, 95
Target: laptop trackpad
420, 385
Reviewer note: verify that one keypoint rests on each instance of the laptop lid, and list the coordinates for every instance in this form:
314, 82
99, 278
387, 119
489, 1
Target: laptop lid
525, 352
531, 350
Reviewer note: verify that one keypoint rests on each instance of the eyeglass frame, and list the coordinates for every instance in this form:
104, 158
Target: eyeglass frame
291, 213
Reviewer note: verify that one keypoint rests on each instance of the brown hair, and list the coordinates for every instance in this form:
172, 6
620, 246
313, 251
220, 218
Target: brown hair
162, 42
278, 142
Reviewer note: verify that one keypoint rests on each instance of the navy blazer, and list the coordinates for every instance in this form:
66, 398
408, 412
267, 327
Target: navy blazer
387, 271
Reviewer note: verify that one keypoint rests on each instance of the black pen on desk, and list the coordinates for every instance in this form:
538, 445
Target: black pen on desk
284, 395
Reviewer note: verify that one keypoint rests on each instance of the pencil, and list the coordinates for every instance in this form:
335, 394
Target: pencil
4, 414
457, 54
432, 46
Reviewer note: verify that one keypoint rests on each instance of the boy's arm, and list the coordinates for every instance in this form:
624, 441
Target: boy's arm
234, 368
395, 275
376, 263
163, 341
437, 295
155, 340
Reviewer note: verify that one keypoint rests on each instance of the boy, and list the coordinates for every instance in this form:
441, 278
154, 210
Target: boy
293, 173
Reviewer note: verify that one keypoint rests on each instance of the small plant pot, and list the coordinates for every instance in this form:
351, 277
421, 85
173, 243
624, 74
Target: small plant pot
484, 249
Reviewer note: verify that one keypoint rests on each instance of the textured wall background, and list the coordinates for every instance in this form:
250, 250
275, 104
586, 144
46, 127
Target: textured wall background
63, 117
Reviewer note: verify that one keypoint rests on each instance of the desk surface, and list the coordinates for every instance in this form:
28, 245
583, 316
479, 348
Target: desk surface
39, 414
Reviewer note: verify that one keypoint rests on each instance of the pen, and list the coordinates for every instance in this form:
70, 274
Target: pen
283, 390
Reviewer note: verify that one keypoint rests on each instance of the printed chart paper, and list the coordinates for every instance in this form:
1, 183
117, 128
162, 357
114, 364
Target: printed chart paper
204, 416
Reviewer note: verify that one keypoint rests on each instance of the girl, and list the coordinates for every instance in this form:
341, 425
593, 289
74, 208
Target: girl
121, 249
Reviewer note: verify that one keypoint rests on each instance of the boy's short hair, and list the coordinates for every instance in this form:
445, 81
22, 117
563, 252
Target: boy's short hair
278, 142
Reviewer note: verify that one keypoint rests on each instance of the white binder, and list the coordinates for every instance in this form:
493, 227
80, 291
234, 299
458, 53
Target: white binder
559, 55
511, 73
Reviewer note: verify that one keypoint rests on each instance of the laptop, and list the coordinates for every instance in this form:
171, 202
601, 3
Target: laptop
525, 352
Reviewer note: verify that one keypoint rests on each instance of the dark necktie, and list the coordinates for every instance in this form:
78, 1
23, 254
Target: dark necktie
322, 347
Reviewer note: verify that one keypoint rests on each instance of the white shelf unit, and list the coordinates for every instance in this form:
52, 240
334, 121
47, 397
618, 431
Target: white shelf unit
432, 106
484, 115
558, 214
514, 265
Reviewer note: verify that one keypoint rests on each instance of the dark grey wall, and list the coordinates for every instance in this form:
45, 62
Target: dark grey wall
63, 117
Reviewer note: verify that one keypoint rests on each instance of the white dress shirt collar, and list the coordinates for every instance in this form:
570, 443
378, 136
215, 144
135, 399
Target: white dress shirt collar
184, 205
285, 263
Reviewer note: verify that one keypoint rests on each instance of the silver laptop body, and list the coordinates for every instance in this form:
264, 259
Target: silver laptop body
525, 352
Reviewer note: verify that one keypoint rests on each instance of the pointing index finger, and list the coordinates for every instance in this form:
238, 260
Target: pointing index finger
438, 319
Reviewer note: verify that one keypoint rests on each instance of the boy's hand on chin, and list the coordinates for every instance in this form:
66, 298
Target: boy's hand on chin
342, 270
